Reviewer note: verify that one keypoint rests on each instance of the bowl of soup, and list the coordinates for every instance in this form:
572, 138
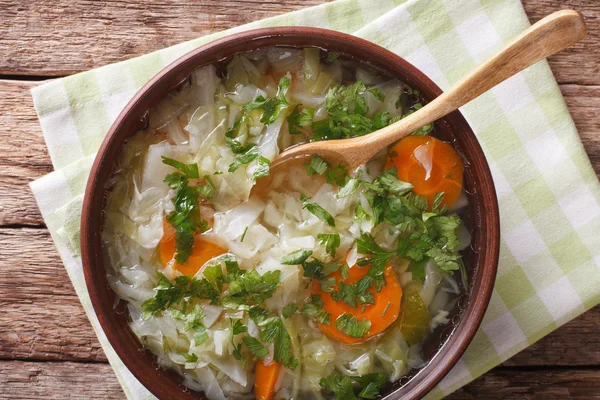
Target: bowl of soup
325, 283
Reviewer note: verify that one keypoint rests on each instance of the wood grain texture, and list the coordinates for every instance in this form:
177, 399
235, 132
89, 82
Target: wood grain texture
61, 37
23, 154
584, 105
58, 380
579, 64
41, 316
516, 384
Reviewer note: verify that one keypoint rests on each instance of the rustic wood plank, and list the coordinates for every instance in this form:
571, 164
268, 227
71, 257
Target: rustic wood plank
23, 154
61, 37
42, 319
26, 380
518, 384
581, 62
22, 140
41, 316
58, 380
576, 343
584, 105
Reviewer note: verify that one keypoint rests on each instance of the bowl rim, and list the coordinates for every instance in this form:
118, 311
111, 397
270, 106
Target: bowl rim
93, 206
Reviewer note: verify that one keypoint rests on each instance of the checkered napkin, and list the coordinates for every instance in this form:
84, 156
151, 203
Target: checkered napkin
549, 195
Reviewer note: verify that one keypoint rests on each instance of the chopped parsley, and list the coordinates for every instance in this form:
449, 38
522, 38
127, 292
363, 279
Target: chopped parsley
379, 95
208, 189
314, 309
250, 288
273, 331
246, 289
331, 241
358, 293
256, 348
348, 112
236, 133
349, 325
388, 183
385, 310
237, 328
297, 257
314, 269
186, 217
273, 106
248, 152
316, 166
168, 294
244, 235
345, 387
262, 168
244, 158
349, 188
331, 57
425, 130
337, 176
352, 295
425, 234
317, 210
371, 384
289, 310
192, 319
300, 119
189, 170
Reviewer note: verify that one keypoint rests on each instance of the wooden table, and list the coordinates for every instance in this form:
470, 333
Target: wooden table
47, 346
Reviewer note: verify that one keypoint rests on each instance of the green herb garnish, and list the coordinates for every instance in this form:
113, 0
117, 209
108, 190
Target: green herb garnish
314, 309
317, 210
244, 158
186, 217
258, 350
316, 166
331, 241
273, 331
343, 386
273, 106
300, 119
349, 325
262, 168
289, 310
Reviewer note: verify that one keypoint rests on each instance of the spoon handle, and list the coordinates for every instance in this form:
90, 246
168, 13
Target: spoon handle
548, 36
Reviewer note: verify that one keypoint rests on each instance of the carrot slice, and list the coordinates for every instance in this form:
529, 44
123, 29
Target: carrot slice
382, 314
431, 165
266, 379
202, 251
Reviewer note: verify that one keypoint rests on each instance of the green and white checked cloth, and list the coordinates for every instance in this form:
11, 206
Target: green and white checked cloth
549, 195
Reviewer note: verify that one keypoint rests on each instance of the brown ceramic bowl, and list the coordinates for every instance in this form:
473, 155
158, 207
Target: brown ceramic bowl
442, 349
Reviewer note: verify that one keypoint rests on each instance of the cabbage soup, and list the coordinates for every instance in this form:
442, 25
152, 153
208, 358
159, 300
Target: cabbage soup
326, 283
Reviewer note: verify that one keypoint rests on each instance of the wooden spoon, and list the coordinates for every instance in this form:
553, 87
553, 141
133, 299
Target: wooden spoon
548, 36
